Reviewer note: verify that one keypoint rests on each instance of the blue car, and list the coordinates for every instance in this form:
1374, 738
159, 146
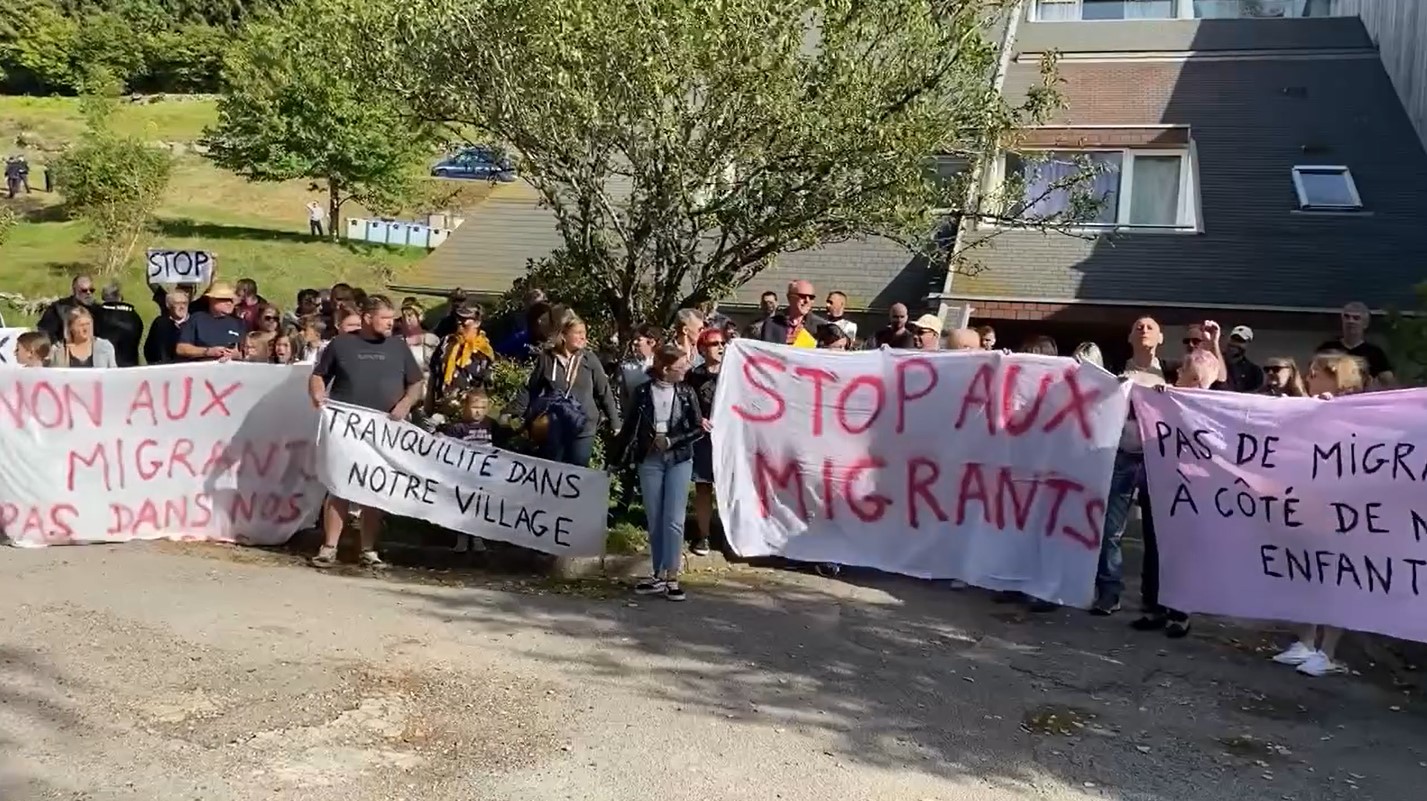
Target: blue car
475, 163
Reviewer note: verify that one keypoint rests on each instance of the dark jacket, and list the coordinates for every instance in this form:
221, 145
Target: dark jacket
590, 389
775, 329
475, 374
117, 322
52, 320
161, 346
686, 425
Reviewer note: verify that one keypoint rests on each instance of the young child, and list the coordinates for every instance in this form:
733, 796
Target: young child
474, 426
253, 347
32, 349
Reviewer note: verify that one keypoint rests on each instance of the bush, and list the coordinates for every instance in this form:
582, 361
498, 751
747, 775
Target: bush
626, 539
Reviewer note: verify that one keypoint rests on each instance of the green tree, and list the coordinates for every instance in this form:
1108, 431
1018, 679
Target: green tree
36, 43
286, 112
111, 182
683, 144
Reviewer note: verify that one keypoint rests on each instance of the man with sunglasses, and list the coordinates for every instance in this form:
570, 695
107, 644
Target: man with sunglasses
1355, 319
81, 294
796, 324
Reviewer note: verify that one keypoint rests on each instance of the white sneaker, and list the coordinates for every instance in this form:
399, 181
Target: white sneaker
1297, 654
1319, 664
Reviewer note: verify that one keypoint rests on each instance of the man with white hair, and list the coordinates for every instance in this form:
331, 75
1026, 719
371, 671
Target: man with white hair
117, 321
1355, 318
963, 339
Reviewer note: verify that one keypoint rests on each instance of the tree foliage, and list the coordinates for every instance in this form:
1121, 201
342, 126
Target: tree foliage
46, 46
113, 183
287, 113
682, 144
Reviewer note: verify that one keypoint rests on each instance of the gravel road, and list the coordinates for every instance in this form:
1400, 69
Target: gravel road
158, 672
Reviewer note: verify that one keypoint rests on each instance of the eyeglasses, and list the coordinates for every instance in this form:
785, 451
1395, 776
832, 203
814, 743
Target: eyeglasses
715, 344
1276, 368
1193, 342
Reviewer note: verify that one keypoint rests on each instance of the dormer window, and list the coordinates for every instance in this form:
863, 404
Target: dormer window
1324, 188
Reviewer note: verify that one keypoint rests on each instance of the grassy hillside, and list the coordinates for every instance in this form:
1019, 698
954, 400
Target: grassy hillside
257, 230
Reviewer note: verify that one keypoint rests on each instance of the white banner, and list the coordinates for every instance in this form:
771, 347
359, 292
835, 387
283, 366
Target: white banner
370, 459
970, 465
196, 451
7, 345
179, 266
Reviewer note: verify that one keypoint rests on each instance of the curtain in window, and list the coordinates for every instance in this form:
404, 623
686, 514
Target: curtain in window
1149, 9
1154, 193
1058, 10
1056, 188
1235, 9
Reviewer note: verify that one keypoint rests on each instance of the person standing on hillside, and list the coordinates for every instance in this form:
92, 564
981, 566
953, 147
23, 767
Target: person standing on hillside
373, 369
315, 214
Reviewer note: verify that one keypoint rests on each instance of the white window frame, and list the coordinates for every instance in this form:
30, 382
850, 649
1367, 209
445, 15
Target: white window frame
1188, 190
1304, 205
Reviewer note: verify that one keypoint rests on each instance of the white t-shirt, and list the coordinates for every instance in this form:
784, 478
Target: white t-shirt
314, 213
663, 405
848, 327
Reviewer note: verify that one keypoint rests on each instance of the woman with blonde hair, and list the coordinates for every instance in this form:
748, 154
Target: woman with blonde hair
80, 347
1282, 379
567, 397
423, 343
1329, 376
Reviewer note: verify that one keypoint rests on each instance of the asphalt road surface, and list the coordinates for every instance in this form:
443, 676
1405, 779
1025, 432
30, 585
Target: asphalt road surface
158, 672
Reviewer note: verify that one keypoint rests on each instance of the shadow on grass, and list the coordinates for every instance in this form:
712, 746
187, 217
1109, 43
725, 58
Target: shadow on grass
184, 227
905, 675
36, 208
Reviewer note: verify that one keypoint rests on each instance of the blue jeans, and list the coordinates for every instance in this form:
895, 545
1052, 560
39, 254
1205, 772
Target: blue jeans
1127, 476
576, 451
664, 485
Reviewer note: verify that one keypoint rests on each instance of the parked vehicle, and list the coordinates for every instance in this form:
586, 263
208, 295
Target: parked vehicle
476, 162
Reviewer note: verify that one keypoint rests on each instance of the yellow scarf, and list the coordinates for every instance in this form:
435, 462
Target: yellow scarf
460, 353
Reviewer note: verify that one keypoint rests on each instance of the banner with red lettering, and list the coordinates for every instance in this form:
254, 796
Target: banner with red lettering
969, 465
203, 451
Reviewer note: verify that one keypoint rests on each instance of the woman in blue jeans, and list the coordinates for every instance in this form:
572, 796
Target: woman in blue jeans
661, 425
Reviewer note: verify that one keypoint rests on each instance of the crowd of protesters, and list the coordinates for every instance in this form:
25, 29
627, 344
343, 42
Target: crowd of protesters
656, 400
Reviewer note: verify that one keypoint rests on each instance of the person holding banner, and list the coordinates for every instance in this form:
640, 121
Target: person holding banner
1201, 369
375, 370
661, 427
1329, 375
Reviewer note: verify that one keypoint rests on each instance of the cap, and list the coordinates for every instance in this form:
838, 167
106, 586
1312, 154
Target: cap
929, 321
1242, 332
221, 290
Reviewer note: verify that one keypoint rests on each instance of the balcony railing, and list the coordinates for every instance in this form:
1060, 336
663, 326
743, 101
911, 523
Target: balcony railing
1089, 10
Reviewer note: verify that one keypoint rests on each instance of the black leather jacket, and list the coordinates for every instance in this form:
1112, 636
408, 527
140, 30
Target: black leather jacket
686, 425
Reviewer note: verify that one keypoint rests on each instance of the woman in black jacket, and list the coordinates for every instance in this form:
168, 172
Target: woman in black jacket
567, 396
661, 426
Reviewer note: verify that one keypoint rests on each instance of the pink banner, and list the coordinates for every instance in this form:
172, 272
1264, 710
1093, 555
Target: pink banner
1291, 509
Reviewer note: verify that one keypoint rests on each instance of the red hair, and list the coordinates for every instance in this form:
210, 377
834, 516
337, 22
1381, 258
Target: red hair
707, 336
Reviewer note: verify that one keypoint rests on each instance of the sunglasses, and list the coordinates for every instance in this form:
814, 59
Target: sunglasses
717, 343
269, 319
1276, 368
806, 297
1192, 342
84, 291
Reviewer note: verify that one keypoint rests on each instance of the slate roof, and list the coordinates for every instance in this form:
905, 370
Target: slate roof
1251, 122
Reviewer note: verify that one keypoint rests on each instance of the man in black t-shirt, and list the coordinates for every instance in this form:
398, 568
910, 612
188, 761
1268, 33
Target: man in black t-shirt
1355, 319
118, 322
375, 370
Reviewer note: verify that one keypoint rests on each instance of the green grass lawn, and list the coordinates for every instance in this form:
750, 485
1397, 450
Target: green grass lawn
257, 230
